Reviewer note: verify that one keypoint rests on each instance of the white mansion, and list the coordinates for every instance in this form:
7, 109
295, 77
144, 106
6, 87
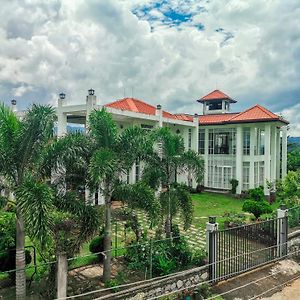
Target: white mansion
250, 146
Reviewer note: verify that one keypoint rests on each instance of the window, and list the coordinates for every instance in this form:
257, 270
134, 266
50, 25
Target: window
261, 173
190, 139
246, 141
256, 174
215, 105
259, 145
246, 175
201, 146
146, 127
222, 141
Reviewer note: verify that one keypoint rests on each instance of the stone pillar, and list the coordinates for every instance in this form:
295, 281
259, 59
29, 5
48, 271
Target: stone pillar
239, 158
61, 117
273, 153
267, 157
159, 114
252, 157
62, 273
282, 230
284, 152
91, 101
206, 157
211, 247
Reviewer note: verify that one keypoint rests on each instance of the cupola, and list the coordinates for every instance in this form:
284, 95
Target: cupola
216, 102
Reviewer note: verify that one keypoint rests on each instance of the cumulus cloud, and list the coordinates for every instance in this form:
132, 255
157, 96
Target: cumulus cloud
167, 51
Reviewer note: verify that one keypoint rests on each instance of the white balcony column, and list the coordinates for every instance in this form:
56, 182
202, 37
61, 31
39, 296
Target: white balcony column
195, 133
278, 165
239, 158
267, 157
159, 114
13, 106
91, 101
273, 153
206, 136
252, 157
61, 117
284, 152
132, 174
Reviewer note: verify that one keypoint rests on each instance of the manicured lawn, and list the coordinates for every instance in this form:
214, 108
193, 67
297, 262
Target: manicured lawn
213, 204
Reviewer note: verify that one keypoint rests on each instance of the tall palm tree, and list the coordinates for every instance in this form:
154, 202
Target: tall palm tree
169, 159
21, 141
114, 154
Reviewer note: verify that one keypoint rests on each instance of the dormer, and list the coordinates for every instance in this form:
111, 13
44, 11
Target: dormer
216, 102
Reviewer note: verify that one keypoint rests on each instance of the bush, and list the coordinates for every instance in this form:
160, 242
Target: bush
257, 208
257, 194
234, 184
97, 245
199, 258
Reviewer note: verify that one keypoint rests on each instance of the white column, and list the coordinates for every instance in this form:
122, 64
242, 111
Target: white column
252, 157
284, 151
61, 118
273, 153
159, 114
239, 158
278, 166
206, 157
267, 157
195, 133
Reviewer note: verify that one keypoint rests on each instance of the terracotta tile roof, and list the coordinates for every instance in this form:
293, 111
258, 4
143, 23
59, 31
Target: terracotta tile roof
215, 119
138, 106
184, 117
256, 113
216, 95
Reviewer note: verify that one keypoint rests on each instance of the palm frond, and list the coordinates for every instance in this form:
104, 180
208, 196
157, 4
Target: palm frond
102, 128
35, 200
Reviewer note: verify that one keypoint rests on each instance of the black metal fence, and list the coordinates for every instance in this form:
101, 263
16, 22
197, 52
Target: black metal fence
243, 248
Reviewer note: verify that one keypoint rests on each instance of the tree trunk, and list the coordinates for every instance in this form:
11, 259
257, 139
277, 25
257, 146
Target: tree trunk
107, 240
62, 274
168, 227
20, 258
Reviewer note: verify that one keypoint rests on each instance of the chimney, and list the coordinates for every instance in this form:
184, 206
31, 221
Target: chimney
14, 105
159, 114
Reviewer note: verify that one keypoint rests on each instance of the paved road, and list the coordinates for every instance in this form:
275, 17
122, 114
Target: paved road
290, 292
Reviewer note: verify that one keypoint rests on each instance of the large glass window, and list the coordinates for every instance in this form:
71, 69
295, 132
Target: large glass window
246, 141
261, 173
259, 145
201, 147
222, 141
246, 175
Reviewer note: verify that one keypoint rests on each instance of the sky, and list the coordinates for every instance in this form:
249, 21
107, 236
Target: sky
168, 52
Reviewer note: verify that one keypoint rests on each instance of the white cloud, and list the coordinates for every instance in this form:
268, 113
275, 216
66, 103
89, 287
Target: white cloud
53, 46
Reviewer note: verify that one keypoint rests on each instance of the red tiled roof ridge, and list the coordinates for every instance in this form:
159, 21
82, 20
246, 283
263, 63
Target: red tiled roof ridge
216, 91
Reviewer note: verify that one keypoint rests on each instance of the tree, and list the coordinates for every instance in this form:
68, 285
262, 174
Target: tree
21, 141
293, 157
169, 159
113, 155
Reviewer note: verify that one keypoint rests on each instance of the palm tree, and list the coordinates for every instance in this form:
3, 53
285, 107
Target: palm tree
169, 159
21, 141
115, 153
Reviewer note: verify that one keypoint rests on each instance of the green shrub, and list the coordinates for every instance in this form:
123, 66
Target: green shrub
97, 245
199, 258
257, 208
234, 184
257, 194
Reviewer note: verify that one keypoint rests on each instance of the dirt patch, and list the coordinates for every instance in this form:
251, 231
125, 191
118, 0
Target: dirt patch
254, 283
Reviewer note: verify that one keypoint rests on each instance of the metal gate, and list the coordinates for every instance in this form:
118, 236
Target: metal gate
236, 250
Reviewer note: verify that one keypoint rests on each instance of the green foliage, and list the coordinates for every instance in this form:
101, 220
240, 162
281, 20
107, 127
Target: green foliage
234, 219
257, 205
166, 255
199, 257
293, 159
118, 280
257, 208
7, 230
97, 245
288, 190
234, 184
257, 194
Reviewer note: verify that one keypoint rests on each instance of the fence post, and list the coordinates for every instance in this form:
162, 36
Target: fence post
62, 273
282, 230
211, 246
